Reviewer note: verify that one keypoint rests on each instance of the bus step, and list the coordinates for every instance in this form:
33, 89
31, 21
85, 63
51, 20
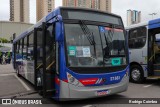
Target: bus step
157, 72
153, 77
50, 93
156, 66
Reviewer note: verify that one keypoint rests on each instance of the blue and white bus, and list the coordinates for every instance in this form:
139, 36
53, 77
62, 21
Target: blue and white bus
74, 53
144, 50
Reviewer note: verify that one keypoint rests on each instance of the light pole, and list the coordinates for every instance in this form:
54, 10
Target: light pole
152, 14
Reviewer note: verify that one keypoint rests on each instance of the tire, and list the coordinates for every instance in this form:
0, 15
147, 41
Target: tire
17, 72
136, 74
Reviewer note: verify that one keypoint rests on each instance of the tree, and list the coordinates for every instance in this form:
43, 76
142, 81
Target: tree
3, 40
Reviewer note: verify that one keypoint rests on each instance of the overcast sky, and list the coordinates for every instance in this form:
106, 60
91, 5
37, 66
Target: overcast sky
119, 7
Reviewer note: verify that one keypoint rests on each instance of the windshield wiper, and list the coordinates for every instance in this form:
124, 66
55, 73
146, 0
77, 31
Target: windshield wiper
109, 36
88, 34
106, 50
111, 33
116, 44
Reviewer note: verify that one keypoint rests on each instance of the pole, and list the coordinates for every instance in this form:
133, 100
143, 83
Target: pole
152, 14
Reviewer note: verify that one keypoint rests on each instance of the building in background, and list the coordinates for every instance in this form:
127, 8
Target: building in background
8, 28
104, 5
19, 11
44, 7
133, 17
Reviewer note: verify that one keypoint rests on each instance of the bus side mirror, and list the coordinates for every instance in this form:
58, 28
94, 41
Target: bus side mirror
59, 29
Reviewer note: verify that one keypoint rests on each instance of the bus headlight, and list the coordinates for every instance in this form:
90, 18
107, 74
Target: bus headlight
72, 80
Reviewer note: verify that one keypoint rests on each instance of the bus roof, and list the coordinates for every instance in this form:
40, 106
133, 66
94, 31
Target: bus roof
54, 13
154, 24
154, 21
136, 25
151, 24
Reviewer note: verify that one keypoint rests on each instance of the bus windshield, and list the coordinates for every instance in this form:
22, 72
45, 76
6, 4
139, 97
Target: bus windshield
94, 46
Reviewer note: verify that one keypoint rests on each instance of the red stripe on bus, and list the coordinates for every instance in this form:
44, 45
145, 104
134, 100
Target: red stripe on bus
65, 81
57, 81
116, 30
89, 81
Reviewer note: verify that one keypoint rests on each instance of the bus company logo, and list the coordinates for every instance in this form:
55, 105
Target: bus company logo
6, 101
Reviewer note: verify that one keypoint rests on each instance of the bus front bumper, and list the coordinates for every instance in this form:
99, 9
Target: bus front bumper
72, 92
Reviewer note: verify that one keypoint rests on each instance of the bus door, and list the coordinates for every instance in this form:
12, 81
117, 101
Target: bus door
154, 51
45, 63
49, 60
38, 55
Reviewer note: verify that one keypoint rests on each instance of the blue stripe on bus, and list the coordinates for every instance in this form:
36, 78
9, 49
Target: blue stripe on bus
107, 76
154, 24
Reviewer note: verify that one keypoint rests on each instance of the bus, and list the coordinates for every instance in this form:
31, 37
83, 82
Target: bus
74, 53
144, 50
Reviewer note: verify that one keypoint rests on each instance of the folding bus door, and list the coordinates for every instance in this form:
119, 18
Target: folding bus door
38, 55
49, 60
45, 61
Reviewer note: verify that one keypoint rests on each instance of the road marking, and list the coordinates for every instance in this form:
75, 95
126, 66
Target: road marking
88, 106
146, 86
27, 88
1, 75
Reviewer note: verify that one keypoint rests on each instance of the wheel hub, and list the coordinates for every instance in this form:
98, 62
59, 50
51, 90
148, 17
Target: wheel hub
136, 74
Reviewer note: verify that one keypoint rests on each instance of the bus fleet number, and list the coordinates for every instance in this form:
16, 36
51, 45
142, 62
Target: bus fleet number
116, 78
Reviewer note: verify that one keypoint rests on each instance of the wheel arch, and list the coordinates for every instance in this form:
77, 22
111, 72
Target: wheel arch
136, 63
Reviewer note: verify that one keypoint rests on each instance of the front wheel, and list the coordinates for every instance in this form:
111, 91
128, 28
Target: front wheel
136, 74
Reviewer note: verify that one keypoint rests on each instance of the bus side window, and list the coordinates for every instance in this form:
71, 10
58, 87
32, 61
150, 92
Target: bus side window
25, 48
137, 37
30, 47
20, 49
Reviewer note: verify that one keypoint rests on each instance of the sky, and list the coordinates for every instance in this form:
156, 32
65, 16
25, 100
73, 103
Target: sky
119, 7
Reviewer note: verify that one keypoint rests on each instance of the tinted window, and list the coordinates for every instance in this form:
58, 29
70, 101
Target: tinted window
25, 48
30, 47
157, 37
50, 48
137, 37
17, 47
20, 47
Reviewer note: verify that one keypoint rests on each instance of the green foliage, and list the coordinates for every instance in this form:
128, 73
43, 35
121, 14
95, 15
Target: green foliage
3, 40
8, 54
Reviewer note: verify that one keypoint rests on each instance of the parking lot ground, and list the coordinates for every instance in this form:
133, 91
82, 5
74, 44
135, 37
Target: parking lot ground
10, 84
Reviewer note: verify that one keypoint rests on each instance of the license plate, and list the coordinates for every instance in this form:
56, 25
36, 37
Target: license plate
102, 93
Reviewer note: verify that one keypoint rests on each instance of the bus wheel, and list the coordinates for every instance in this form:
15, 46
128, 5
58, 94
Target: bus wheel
136, 74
